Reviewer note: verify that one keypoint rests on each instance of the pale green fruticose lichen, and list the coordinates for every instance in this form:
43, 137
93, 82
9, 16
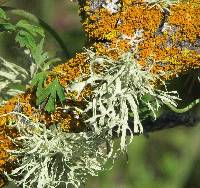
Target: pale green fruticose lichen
118, 89
49, 157
122, 85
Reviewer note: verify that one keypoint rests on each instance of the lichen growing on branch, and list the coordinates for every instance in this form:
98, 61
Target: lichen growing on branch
170, 39
133, 48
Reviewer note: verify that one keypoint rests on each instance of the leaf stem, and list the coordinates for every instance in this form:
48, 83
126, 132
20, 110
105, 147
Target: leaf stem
35, 19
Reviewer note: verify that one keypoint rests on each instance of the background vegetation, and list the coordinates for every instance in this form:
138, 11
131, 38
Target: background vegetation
165, 159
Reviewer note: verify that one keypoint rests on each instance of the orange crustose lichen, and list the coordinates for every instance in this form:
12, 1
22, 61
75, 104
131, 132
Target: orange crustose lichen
5, 134
167, 35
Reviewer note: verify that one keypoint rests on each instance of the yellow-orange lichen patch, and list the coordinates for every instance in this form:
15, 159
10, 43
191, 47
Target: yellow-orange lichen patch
87, 92
26, 105
74, 68
6, 161
114, 49
139, 17
5, 117
5, 144
101, 25
5, 135
25, 101
72, 122
171, 59
105, 31
103, 49
185, 16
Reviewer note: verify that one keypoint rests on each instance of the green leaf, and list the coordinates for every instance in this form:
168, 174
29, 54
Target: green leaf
25, 39
50, 106
38, 81
38, 55
60, 92
7, 27
32, 29
3, 14
53, 90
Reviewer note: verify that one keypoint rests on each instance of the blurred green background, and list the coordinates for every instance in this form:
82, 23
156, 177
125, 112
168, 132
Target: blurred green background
165, 159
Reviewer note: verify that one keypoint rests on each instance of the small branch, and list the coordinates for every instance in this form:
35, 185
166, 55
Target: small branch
176, 117
165, 121
183, 110
171, 120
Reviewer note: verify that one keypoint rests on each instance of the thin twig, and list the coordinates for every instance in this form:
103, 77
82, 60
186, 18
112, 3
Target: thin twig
185, 109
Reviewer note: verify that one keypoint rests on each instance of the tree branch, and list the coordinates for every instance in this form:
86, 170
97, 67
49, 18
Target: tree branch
165, 121
171, 120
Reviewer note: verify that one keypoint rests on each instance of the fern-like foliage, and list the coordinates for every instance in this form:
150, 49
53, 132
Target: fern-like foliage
31, 38
51, 92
